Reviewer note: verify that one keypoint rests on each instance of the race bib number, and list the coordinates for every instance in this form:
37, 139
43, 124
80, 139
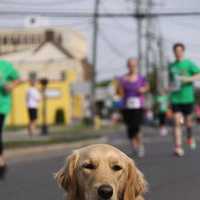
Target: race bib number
133, 103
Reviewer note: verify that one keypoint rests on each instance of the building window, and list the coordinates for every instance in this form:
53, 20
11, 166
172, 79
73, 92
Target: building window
33, 75
5, 40
25, 39
15, 40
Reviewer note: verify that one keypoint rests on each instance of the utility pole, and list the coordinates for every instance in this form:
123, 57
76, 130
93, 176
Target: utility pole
163, 73
140, 17
149, 36
94, 58
139, 32
143, 9
154, 48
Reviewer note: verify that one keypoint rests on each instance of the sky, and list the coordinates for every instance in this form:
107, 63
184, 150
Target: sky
117, 37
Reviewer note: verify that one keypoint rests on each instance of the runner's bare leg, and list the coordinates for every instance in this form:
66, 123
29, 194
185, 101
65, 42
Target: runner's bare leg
189, 125
178, 130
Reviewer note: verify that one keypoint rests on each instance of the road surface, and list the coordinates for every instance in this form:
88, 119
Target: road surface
169, 178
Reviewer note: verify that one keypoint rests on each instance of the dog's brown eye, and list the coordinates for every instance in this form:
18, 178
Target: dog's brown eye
89, 166
117, 168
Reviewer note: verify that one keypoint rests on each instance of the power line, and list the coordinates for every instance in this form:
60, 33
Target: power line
61, 2
111, 45
102, 15
116, 20
191, 26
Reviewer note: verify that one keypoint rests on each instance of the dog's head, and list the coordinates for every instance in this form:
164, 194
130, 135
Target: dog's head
101, 172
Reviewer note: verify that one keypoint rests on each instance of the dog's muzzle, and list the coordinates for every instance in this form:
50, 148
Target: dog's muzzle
105, 191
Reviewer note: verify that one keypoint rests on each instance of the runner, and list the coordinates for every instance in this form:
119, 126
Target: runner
9, 78
132, 87
182, 73
33, 98
162, 102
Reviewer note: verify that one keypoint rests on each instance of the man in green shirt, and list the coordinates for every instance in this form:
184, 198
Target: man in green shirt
182, 74
9, 78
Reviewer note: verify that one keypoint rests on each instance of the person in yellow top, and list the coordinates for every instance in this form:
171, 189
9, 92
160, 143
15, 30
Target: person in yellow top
9, 78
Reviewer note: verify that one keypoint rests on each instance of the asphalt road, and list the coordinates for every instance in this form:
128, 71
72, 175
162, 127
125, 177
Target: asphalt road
169, 178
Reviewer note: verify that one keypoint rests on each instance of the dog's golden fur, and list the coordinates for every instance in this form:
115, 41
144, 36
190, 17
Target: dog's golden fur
90, 167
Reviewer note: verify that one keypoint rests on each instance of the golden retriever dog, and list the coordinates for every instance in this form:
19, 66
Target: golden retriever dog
101, 172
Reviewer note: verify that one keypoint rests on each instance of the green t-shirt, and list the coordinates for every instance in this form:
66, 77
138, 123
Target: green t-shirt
7, 74
185, 93
162, 101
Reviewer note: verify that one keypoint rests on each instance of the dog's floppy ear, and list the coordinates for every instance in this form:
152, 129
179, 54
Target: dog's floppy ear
66, 177
140, 183
136, 184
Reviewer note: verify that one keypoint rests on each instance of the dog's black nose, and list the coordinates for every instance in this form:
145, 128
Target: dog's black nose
105, 191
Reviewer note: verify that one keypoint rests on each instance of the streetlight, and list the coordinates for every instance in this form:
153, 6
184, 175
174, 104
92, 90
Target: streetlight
44, 126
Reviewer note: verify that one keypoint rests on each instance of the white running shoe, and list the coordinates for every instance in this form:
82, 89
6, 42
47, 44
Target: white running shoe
179, 152
192, 143
141, 151
163, 131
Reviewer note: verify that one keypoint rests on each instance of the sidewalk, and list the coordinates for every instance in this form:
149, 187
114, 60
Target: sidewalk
22, 135
19, 143
53, 149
